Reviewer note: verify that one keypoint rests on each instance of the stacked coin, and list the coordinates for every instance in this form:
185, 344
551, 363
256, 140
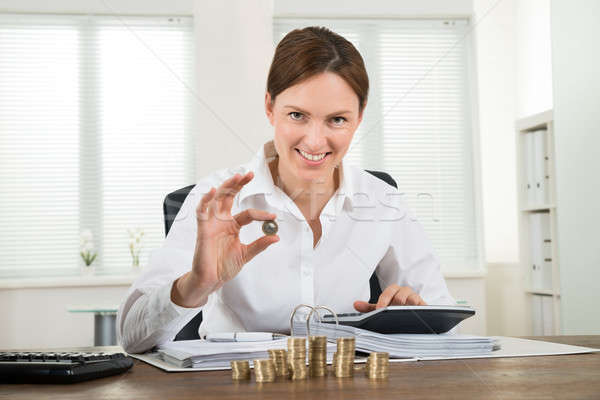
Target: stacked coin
317, 355
264, 370
296, 358
279, 357
240, 370
343, 359
378, 365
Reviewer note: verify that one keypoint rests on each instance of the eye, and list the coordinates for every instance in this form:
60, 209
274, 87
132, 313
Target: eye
295, 115
338, 120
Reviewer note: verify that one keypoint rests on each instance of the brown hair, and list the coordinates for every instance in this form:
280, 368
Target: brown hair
305, 52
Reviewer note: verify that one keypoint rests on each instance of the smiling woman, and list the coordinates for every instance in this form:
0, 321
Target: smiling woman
317, 90
316, 93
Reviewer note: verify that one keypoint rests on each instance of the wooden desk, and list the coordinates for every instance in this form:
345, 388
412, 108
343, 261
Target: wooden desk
560, 377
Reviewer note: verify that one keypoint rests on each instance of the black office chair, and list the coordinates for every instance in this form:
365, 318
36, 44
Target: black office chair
173, 203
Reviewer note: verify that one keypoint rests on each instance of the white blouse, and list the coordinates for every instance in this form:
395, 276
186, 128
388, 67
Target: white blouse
366, 228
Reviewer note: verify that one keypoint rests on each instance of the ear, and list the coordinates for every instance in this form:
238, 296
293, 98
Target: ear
269, 107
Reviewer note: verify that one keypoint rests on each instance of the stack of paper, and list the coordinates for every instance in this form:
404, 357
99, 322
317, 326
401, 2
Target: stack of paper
206, 354
407, 345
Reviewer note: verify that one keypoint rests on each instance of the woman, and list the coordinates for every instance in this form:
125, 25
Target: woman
337, 223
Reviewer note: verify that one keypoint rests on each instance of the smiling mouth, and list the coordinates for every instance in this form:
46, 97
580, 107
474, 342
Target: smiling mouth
311, 157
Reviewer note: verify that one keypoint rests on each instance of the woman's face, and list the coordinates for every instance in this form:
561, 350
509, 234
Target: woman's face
317, 116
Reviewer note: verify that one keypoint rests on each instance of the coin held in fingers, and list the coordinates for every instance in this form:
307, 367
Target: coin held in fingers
269, 227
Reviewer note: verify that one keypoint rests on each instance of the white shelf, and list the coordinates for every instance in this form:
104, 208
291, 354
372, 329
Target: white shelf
539, 207
551, 296
534, 122
68, 281
542, 292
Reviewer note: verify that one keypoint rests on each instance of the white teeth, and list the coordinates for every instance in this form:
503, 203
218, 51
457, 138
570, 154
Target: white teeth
311, 157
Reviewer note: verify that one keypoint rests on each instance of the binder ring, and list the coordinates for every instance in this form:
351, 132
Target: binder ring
307, 320
314, 309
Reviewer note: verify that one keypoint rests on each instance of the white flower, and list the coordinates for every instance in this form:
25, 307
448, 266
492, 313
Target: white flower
86, 235
87, 247
135, 242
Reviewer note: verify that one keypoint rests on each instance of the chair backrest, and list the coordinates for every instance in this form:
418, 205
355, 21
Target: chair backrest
172, 205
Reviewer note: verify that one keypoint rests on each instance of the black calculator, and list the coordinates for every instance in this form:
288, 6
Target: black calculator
405, 319
60, 367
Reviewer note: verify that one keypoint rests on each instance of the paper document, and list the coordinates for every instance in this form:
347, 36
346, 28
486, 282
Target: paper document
204, 353
406, 345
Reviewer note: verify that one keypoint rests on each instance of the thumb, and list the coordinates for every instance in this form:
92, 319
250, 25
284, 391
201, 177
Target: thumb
259, 245
363, 306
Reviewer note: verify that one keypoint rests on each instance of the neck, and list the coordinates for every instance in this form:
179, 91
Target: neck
309, 196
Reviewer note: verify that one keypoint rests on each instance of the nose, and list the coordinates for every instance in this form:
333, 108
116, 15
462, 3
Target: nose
315, 138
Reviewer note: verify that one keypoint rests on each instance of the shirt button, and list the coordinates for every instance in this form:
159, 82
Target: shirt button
306, 273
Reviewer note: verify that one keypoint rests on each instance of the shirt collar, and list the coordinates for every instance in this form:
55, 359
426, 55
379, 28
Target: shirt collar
263, 184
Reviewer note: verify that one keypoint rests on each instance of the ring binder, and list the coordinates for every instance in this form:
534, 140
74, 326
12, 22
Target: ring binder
313, 310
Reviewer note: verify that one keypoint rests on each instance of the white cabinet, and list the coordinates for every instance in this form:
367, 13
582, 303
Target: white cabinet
537, 221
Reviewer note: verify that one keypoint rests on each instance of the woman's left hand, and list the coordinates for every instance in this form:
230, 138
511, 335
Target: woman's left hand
393, 295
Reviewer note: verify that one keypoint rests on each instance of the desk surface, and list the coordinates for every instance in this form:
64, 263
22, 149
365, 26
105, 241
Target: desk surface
562, 377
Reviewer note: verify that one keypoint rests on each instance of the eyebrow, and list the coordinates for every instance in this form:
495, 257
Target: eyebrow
307, 113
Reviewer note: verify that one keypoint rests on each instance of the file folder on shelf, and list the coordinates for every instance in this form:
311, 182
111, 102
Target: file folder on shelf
546, 251
530, 193
540, 249
539, 166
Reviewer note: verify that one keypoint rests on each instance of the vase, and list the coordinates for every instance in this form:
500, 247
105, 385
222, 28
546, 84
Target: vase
87, 270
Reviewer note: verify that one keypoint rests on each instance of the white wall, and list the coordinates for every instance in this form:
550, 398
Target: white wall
575, 63
234, 49
495, 57
379, 8
506, 301
138, 7
471, 291
38, 317
534, 64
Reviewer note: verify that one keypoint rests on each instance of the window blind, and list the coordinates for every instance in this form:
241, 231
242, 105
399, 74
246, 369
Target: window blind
95, 130
416, 124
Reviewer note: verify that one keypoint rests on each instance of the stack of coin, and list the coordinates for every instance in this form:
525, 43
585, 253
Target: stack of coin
378, 365
343, 359
296, 358
279, 357
240, 370
264, 370
317, 355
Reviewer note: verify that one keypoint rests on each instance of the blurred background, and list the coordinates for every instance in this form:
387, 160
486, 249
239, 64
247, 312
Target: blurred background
484, 111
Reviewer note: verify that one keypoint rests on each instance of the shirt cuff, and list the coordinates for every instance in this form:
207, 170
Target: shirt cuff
175, 310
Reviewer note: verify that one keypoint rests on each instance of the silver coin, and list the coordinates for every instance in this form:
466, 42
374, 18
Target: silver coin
269, 227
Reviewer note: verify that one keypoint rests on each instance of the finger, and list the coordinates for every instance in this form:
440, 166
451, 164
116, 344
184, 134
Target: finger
259, 245
202, 208
227, 185
253, 214
402, 295
227, 201
387, 295
363, 306
414, 299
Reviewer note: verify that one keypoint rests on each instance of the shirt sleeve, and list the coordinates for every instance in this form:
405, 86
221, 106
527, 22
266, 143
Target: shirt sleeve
147, 317
411, 261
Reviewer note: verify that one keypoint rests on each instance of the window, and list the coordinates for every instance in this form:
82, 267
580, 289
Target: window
417, 124
95, 130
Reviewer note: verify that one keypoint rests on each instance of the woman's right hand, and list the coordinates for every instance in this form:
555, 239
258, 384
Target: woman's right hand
219, 255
